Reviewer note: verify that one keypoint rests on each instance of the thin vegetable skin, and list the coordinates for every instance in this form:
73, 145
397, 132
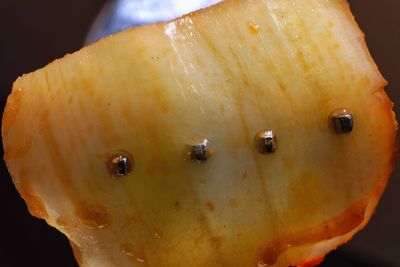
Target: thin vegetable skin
223, 74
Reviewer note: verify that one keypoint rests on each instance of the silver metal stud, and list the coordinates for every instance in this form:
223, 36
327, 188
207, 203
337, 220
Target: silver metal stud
266, 142
200, 151
342, 121
120, 165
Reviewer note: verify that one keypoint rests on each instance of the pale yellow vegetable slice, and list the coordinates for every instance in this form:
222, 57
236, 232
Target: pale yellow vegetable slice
224, 73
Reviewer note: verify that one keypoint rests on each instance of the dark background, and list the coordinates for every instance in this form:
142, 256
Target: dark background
35, 32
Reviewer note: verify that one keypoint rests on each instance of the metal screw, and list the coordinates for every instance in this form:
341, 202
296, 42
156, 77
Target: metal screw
120, 165
200, 151
342, 121
266, 142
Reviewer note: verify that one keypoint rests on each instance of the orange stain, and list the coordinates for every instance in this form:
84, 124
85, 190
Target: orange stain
244, 175
62, 221
312, 263
24, 148
33, 201
337, 226
210, 206
35, 204
93, 215
216, 242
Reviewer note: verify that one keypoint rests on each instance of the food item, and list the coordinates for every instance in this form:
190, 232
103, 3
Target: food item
108, 144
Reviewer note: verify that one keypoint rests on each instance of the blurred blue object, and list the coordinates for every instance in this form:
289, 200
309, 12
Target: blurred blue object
118, 15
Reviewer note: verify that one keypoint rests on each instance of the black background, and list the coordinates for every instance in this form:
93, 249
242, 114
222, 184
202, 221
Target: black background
35, 32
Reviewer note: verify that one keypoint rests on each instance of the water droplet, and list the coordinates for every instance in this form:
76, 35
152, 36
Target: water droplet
157, 234
126, 249
141, 260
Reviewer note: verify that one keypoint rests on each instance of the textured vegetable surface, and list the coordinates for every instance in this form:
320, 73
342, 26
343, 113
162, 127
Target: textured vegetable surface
224, 73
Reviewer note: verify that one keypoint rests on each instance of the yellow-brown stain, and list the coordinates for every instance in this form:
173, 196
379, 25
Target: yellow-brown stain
282, 87
72, 144
132, 219
82, 107
161, 99
300, 59
106, 128
244, 175
93, 215
336, 46
233, 203
216, 242
323, 102
126, 113
337, 226
11, 110
57, 160
87, 87
210, 206
177, 205
70, 99
253, 28
307, 191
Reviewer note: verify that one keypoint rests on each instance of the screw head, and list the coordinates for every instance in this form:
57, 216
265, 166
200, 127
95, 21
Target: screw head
266, 142
200, 151
120, 165
342, 121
